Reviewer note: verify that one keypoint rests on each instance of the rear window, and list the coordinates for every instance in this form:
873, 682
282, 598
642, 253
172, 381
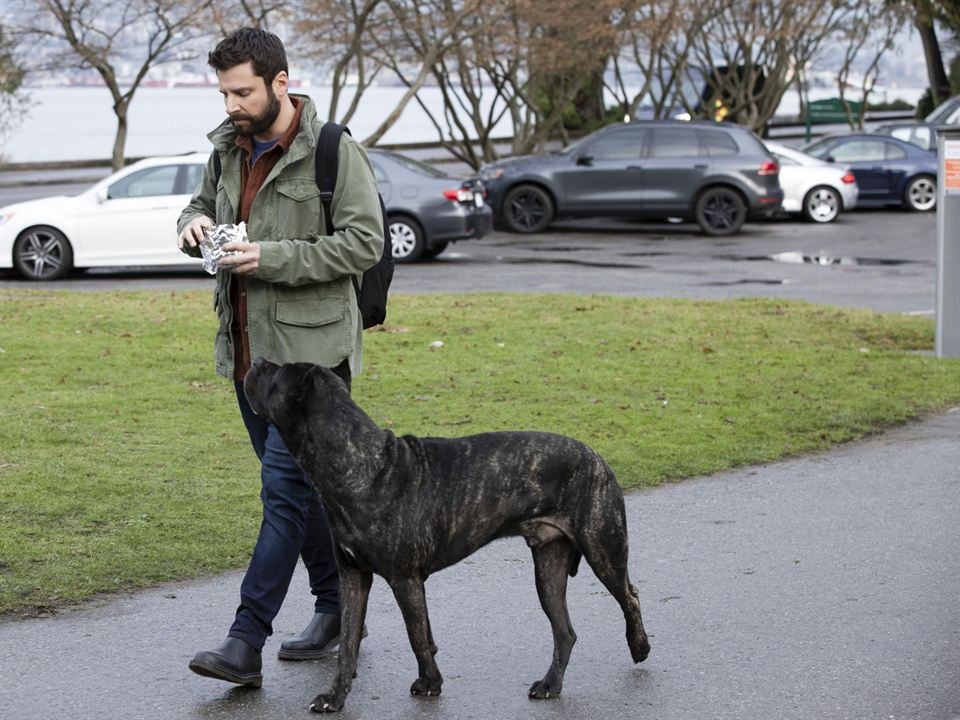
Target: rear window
717, 143
783, 159
674, 142
894, 152
417, 166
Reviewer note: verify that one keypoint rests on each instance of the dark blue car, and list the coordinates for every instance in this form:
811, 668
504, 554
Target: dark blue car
888, 171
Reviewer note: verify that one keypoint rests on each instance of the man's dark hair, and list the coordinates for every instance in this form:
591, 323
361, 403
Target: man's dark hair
262, 48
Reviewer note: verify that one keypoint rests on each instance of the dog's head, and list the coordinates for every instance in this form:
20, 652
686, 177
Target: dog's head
283, 393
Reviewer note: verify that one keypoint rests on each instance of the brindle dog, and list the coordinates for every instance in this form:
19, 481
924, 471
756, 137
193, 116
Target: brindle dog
406, 507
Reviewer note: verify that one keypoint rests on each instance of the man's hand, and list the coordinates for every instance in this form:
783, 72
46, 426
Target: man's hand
192, 234
246, 263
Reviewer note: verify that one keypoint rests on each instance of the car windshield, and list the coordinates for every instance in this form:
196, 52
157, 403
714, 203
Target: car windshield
417, 166
944, 113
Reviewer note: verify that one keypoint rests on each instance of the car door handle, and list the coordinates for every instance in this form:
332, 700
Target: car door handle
700, 167
634, 168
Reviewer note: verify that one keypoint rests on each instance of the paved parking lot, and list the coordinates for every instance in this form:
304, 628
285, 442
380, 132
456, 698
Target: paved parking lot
878, 259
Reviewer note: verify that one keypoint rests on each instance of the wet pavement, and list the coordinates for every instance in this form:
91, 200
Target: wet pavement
877, 259
820, 587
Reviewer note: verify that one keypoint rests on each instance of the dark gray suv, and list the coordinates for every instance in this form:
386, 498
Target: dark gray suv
716, 174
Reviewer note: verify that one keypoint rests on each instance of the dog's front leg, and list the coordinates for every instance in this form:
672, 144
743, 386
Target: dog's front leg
354, 591
413, 604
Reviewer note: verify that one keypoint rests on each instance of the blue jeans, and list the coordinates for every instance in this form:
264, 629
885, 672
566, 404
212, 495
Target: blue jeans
294, 525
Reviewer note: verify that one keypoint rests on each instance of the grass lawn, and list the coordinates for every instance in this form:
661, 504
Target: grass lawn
123, 461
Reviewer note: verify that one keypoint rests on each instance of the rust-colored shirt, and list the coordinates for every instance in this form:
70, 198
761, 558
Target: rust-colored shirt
252, 177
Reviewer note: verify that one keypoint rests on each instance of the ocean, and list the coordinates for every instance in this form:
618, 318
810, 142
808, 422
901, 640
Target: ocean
77, 123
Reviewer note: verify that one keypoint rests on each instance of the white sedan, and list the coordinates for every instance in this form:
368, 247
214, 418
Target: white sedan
818, 190
128, 218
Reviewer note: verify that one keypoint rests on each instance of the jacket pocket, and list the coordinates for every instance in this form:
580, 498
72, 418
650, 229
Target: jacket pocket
298, 189
311, 313
314, 330
297, 212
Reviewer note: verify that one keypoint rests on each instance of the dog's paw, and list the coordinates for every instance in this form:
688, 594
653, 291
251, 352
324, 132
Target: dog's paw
542, 690
425, 687
326, 704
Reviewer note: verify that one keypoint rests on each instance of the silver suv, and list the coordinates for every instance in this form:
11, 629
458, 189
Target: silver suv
715, 174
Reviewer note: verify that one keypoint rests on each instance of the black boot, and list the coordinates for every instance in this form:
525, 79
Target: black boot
232, 660
317, 640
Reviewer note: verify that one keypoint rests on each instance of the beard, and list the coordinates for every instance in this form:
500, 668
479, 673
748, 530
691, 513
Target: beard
258, 124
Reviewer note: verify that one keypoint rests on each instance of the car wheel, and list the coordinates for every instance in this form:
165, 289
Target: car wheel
42, 253
406, 237
822, 205
527, 209
434, 250
720, 211
921, 194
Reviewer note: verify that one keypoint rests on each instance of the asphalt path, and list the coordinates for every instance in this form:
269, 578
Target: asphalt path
820, 587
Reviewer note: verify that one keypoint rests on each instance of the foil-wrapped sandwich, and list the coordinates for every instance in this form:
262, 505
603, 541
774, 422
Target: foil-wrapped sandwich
214, 238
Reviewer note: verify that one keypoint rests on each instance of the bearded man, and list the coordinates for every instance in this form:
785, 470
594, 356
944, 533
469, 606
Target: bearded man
285, 294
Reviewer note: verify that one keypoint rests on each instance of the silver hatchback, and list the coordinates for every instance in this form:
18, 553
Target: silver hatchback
426, 208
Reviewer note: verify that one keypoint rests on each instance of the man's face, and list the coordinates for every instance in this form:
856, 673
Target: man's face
252, 104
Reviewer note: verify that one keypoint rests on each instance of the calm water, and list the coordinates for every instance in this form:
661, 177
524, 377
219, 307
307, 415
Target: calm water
78, 123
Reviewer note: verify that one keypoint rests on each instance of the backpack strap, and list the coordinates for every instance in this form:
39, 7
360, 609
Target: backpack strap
328, 148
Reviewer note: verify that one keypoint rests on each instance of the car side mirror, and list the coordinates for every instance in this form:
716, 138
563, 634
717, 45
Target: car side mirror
101, 195
586, 160
830, 158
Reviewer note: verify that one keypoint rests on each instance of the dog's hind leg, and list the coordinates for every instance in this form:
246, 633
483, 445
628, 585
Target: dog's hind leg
607, 555
354, 591
552, 562
413, 604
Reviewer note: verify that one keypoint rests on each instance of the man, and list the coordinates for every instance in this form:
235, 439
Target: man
286, 295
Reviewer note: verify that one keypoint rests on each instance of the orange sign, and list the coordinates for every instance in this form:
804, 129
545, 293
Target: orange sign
951, 166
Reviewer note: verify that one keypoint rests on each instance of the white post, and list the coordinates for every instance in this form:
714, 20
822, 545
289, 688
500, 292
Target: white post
948, 243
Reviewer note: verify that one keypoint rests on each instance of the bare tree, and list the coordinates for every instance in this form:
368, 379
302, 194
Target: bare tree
749, 51
529, 61
926, 13
13, 101
228, 15
868, 31
412, 44
341, 33
102, 34
657, 40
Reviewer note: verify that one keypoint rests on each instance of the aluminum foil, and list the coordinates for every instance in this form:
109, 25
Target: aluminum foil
214, 238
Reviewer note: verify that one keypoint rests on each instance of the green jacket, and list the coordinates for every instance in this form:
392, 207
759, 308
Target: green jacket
301, 304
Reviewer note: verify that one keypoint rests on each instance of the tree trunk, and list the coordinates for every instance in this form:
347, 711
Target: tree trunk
589, 101
120, 139
939, 83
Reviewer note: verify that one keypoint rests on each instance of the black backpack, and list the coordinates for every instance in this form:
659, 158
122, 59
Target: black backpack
372, 291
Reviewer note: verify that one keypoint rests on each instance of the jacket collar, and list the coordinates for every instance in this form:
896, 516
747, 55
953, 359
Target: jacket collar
223, 137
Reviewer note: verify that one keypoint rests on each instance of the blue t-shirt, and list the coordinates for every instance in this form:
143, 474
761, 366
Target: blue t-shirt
259, 148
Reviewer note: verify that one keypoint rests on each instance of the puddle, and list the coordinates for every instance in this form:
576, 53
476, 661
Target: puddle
560, 248
566, 261
746, 281
823, 259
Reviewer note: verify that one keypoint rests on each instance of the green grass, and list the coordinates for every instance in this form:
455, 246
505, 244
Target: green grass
123, 461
